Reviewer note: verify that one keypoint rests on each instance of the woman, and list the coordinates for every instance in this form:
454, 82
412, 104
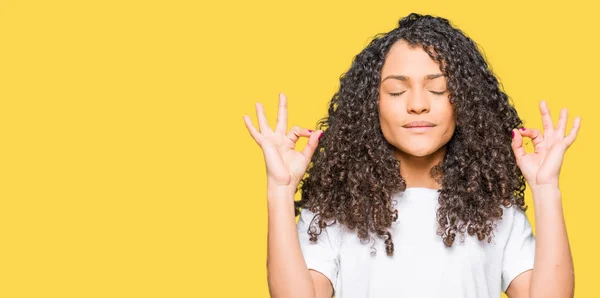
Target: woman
420, 146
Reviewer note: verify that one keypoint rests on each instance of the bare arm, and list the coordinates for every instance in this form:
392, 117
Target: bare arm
288, 274
553, 273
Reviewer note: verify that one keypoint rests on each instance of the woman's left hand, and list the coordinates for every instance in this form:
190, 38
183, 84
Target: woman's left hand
542, 167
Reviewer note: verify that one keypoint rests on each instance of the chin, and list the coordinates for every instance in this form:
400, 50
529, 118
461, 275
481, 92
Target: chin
418, 151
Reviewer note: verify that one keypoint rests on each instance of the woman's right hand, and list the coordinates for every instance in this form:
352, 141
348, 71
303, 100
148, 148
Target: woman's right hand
285, 166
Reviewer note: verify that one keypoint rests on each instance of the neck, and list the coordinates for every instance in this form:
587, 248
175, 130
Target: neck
416, 170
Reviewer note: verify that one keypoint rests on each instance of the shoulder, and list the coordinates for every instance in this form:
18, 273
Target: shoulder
512, 218
310, 220
512, 213
306, 217
514, 229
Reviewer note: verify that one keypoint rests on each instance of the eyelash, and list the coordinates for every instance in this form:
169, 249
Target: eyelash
436, 93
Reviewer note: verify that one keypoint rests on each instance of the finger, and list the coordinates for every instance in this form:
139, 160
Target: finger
517, 145
297, 132
312, 144
546, 118
573, 133
562, 123
282, 123
536, 137
263, 124
253, 132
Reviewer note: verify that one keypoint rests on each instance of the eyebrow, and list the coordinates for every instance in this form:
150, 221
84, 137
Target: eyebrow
405, 78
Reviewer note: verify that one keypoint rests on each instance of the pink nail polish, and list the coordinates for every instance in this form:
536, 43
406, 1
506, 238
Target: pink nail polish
321, 136
310, 130
523, 128
512, 134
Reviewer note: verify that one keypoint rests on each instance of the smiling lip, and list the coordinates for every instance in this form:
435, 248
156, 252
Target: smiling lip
417, 124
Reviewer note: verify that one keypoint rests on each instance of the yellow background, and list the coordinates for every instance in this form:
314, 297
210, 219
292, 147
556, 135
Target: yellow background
126, 169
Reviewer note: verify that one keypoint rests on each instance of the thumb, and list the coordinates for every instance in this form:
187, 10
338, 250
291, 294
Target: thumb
517, 144
311, 145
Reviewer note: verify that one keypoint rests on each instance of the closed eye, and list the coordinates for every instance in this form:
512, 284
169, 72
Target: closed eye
434, 92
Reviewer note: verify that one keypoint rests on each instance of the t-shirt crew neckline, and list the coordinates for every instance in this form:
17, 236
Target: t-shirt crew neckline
418, 193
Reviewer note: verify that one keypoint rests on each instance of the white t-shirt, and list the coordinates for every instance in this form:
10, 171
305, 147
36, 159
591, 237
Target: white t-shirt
422, 266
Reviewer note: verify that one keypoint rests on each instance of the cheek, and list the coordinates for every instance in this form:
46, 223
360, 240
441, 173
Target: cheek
389, 127
387, 115
449, 129
449, 133
448, 117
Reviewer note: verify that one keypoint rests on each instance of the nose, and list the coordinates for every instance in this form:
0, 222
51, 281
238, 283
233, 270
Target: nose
417, 103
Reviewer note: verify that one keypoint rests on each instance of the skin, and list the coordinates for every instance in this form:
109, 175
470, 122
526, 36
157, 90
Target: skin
406, 95
288, 275
553, 272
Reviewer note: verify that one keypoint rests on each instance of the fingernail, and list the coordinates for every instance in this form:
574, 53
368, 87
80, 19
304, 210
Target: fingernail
310, 130
321, 136
523, 128
512, 134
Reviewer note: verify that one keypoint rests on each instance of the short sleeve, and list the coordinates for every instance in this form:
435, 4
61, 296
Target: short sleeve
320, 256
519, 252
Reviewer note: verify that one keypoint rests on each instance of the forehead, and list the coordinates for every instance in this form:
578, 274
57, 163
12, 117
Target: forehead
402, 59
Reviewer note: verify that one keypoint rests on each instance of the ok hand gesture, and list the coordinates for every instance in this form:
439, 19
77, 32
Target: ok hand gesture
542, 167
285, 166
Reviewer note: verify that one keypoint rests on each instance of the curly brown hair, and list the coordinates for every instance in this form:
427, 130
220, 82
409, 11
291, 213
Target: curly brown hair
353, 173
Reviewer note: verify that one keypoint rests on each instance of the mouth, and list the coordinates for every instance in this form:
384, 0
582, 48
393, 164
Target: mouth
419, 129
418, 124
